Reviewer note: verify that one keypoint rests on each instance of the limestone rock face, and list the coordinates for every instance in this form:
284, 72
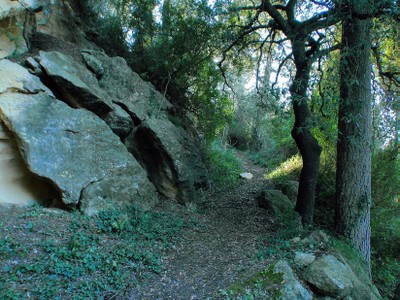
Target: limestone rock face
106, 86
22, 22
128, 115
118, 192
73, 149
291, 288
126, 88
14, 78
119, 121
73, 83
13, 39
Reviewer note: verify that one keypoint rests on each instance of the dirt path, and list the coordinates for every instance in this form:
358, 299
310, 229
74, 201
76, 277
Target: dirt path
219, 250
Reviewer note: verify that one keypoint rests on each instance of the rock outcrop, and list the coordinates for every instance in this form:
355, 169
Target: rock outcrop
289, 188
26, 24
72, 149
135, 111
99, 93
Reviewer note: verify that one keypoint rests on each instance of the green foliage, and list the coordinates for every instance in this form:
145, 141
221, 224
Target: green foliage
90, 258
263, 285
224, 166
277, 144
386, 274
173, 45
290, 169
385, 221
386, 176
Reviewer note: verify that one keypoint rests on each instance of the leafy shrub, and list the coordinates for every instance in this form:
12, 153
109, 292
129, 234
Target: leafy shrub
224, 166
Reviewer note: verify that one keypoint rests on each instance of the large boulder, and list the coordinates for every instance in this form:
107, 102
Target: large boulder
303, 259
330, 276
73, 149
335, 278
288, 188
280, 206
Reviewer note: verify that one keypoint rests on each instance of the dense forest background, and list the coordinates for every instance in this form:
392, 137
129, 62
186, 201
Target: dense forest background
233, 70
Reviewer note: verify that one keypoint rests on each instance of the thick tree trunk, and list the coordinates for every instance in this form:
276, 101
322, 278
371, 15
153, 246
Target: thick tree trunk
353, 178
308, 145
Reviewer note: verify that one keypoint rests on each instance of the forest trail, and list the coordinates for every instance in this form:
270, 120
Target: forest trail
220, 249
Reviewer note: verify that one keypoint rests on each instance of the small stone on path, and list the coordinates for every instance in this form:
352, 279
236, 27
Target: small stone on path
246, 175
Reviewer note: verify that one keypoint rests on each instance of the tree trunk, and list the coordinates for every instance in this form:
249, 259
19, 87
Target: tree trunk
308, 145
353, 175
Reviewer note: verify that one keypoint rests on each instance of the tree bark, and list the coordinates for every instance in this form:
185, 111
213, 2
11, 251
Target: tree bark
307, 144
353, 176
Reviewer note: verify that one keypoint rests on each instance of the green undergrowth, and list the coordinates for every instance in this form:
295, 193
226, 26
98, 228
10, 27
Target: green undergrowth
262, 285
385, 220
224, 166
47, 254
385, 244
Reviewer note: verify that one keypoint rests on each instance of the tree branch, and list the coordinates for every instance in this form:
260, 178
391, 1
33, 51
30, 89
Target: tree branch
320, 53
320, 21
275, 14
290, 7
282, 63
394, 77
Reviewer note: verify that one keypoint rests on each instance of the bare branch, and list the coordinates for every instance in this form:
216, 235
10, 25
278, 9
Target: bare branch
282, 63
242, 8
